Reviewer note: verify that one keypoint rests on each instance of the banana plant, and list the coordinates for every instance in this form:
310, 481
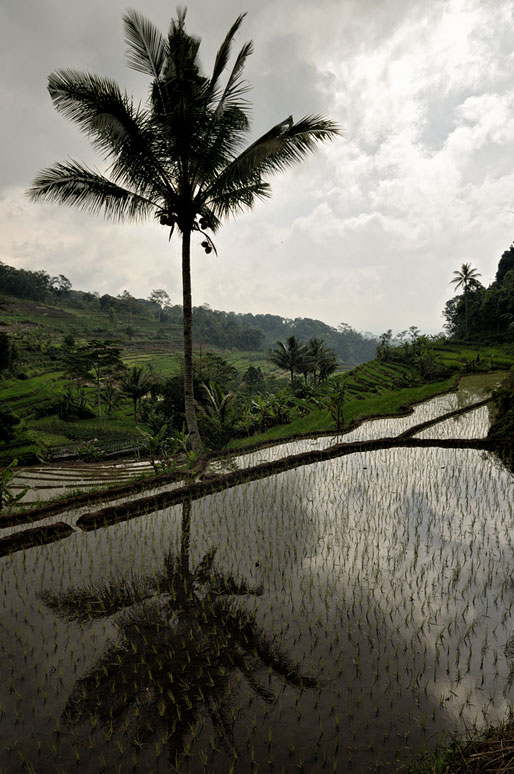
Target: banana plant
7, 497
217, 414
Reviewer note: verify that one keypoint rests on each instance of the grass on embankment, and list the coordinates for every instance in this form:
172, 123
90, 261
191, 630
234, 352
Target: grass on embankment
491, 751
455, 355
378, 389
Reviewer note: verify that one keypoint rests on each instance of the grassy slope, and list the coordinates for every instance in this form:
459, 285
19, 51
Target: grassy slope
378, 389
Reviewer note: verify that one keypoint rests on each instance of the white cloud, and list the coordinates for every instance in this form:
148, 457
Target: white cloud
369, 230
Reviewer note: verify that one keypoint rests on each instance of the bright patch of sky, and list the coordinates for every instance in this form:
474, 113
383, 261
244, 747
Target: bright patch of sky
368, 230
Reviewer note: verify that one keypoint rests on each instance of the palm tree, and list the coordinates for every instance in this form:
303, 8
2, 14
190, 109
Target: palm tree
466, 278
217, 414
320, 360
291, 356
178, 158
136, 384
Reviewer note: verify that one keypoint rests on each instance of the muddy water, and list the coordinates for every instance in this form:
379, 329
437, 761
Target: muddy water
384, 620
386, 577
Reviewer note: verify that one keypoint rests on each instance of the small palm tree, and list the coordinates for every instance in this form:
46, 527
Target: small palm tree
178, 159
465, 278
216, 412
333, 398
136, 384
291, 356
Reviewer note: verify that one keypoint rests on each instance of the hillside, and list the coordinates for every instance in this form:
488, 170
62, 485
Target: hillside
49, 308
44, 324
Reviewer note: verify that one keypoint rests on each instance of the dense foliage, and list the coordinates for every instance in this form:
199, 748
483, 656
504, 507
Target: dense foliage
484, 314
35, 285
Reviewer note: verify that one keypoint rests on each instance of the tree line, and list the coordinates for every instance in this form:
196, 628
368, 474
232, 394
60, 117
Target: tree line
33, 285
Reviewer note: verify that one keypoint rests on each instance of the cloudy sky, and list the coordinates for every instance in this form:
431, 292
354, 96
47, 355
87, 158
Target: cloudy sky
367, 231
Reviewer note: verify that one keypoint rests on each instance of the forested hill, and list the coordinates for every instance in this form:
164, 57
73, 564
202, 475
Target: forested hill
260, 331
227, 330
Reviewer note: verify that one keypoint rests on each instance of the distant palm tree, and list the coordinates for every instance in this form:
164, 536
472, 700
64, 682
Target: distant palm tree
291, 356
136, 384
465, 278
321, 361
181, 635
179, 158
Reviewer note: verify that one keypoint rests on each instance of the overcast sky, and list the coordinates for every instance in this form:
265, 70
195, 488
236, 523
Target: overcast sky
367, 231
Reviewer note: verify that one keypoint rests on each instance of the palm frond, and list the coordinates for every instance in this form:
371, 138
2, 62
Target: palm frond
146, 46
182, 52
216, 147
92, 602
228, 123
72, 183
235, 86
236, 199
227, 585
251, 638
223, 54
281, 147
86, 98
178, 24
117, 129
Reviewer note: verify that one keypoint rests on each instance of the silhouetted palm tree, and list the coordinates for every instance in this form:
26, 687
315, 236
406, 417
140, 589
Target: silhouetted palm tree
178, 158
465, 278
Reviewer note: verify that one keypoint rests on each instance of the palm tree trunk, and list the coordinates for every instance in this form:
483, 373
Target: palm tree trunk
187, 310
185, 537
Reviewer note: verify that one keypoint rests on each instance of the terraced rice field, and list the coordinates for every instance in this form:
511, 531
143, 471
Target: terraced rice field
338, 616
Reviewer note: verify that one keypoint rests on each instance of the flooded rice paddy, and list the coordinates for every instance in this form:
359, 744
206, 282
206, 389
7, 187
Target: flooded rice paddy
45, 482
339, 616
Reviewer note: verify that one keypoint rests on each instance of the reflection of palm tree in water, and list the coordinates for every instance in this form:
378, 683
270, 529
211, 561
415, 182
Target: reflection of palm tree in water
181, 636
509, 655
